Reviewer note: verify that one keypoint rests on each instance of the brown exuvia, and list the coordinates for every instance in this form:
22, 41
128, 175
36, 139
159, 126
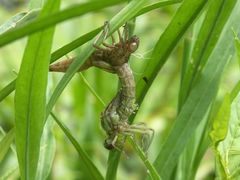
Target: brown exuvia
114, 58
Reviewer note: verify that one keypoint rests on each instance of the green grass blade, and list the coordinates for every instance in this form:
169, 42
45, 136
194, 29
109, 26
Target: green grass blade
212, 26
91, 89
53, 19
5, 143
30, 98
74, 44
55, 55
199, 100
47, 152
35, 4
157, 5
215, 19
173, 33
151, 169
237, 46
10, 174
235, 91
90, 169
193, 152
187, 51
9, 24
7, 90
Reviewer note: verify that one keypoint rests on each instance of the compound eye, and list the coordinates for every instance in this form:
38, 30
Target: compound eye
133, 46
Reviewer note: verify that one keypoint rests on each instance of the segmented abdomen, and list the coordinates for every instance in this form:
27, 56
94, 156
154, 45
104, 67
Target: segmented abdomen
127, 92
123, 104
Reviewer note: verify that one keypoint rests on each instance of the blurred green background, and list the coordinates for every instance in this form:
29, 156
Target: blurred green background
80, 110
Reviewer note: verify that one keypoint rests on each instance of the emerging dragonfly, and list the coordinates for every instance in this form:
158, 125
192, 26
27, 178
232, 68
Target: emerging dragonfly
114, 58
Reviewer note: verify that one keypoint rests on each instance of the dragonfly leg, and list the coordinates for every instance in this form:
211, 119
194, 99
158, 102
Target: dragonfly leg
108, 45
106, 28
113, 39
126, 32
104, 33
146, 133
100, 48
120, 37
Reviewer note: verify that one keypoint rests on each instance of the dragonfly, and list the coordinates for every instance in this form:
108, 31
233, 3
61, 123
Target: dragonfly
114, 58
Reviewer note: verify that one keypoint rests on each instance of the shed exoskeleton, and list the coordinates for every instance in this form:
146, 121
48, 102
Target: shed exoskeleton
114, 58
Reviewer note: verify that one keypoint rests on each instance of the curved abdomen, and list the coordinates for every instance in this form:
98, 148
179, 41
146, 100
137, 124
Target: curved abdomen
127, 92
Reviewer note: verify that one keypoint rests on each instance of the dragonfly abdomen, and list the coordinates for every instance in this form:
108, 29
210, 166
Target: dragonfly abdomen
127, 93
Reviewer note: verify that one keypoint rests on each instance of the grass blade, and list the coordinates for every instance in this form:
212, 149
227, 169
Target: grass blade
9, 24
6, 143
7, 90
157, 5
12, 173
237, 47
53, 19
87, 165
173, 33
198, 101
55, 55
91, 89
47, 152
151, 169
215, 19
30, 96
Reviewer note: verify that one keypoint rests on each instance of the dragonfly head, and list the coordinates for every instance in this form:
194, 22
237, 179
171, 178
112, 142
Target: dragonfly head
132, 44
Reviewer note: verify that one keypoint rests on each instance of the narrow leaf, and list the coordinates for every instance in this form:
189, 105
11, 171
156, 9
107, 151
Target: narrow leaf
47, 152
9, 24
237, 46
30, 98
45, 22
216, 17
199, 99
87, 165
168, 40
151, 169
157, 5
7, 90
206, 32
5, 143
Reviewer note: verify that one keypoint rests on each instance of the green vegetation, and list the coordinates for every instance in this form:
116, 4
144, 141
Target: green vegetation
187, 75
